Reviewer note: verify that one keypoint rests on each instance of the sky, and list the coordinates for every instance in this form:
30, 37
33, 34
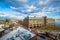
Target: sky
19, 9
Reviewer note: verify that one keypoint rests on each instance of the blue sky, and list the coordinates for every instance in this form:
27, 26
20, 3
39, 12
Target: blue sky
19, 9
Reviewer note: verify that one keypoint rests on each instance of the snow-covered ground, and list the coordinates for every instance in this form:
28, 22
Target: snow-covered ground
18, 34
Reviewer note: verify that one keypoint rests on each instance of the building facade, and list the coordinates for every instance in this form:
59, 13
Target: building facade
34, 22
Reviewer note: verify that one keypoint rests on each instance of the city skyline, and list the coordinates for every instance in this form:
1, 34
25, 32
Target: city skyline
29, 19
19, 9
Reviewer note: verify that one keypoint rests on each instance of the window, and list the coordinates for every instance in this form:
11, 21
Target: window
30, 27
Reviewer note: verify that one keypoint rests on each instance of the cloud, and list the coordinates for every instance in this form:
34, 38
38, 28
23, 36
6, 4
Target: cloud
22, 0
2, 14
13, 8
56, 17
16, 17
43, 2
25, 9
12, 15
39, 14
51, 9
30, 8
54, 9
17, 5
55, 3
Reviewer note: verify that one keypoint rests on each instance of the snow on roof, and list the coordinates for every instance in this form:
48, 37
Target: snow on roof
18, 34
